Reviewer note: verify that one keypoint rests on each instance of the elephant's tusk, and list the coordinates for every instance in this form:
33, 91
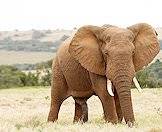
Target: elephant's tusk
109, 87
137, 84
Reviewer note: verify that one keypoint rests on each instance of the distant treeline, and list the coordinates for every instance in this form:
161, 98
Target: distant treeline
22, 75
10, 76
37, 66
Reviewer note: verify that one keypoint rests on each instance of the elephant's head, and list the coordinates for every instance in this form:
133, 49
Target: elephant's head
116, 53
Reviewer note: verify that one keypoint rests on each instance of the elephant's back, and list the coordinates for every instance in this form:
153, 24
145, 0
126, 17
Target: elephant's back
77, 77
62, 53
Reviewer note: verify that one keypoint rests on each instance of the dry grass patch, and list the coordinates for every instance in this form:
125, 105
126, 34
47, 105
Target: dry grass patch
27, 109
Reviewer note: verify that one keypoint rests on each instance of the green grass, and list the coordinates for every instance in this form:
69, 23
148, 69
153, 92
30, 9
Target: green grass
26, 109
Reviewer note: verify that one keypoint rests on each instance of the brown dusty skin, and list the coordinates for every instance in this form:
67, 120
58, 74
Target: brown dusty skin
85, 62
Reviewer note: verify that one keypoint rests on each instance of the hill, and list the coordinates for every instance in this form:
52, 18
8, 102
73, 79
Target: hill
40, 35
32, 40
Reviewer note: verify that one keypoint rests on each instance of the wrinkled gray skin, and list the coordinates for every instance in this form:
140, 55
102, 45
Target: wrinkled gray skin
94, 54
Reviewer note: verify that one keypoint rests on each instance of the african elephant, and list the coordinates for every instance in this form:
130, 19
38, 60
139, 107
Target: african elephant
97, 59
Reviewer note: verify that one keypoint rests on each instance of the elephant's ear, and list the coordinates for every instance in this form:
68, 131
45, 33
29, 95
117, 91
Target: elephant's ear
85, 48
146, 44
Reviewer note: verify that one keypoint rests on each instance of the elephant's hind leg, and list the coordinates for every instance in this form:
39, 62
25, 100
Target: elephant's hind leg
58, 91
81, 110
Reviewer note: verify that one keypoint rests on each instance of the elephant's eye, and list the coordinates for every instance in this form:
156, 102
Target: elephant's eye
105, 52
133, 52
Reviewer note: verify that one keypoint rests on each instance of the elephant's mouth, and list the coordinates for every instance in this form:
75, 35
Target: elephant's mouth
110, 90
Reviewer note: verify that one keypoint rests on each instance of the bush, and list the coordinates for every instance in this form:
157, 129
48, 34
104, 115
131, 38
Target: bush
46, 79
151, 77
11, 77
142, 77
31, 79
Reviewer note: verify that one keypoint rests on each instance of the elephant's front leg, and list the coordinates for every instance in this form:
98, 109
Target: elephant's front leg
108, 102
118, 107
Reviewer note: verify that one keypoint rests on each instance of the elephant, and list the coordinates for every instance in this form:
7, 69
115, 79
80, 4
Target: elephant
102, 61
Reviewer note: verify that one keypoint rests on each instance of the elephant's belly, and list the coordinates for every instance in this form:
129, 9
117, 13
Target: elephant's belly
77, 78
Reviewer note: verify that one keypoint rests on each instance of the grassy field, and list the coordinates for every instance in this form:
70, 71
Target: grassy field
26, 109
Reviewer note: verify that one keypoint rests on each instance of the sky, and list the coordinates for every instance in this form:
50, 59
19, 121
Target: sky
67, 14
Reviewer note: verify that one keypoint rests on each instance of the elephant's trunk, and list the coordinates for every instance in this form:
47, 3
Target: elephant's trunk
121, 75
123, 90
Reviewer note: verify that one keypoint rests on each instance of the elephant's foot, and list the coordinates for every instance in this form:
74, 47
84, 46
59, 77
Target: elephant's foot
120, 120
52, 118
80, 120
54, 110
120, 117
130, 124
111, 119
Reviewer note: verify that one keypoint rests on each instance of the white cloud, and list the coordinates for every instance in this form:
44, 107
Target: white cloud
43, 14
